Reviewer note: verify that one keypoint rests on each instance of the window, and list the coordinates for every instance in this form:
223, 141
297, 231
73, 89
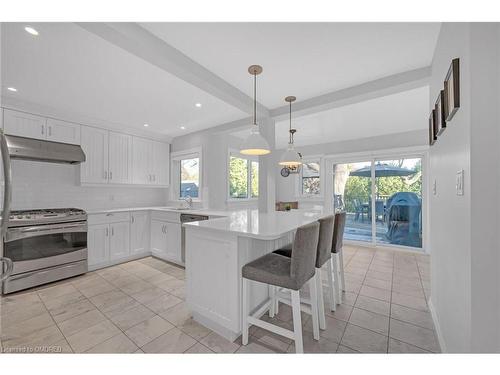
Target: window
243, 177
310, 178
186, 174
189, 177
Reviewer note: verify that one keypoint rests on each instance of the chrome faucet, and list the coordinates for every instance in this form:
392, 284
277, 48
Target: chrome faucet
189, 201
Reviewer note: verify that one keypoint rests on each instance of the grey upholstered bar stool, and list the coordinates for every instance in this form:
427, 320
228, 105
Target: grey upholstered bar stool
337, 255
323, 255
289, 273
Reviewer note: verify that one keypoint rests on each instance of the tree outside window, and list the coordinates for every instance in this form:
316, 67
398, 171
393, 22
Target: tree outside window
189, 177
243, 178
311, 178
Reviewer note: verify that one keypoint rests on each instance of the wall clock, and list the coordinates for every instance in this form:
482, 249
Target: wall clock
285, 172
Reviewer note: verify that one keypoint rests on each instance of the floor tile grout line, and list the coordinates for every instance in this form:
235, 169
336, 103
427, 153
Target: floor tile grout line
55, 323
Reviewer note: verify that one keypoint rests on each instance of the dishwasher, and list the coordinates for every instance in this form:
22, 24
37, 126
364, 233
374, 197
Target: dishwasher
188, 218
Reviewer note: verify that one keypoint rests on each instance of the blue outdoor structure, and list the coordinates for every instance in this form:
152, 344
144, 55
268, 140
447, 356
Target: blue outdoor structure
189, 188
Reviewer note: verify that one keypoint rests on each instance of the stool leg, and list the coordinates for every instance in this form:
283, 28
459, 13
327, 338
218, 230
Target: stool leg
314, 307
321, 299
277, 301
331, 291
341, 263
272, 297
336, 279
297, 321
244, 312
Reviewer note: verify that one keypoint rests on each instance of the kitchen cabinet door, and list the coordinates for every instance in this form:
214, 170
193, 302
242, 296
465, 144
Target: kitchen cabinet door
141, 159
158, 238
173, 249
120, 158
24, 124
62, 131
98, 244
161, 163
119, 240
95, 146
139, 232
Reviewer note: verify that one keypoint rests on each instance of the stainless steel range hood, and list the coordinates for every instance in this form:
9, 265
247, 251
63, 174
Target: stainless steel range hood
46, 151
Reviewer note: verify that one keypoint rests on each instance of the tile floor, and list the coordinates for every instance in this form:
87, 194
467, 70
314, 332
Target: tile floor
138, 307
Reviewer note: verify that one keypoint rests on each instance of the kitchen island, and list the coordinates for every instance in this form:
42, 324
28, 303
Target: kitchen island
217, 249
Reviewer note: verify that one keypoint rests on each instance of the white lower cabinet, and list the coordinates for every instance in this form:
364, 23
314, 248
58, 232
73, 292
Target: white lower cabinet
108, 239
98, 244
139, 232
166, 240
119, 240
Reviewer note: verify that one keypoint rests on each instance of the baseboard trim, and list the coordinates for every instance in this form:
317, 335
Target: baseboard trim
437, 327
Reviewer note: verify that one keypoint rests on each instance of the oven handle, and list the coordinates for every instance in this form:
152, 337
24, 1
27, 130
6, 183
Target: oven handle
16, 234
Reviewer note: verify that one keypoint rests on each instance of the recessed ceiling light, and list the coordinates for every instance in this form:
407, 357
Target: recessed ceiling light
146, 125
198, 105
183, 127
31, 30
13, 89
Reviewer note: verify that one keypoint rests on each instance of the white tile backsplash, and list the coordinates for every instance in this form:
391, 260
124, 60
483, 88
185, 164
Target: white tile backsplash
46, 185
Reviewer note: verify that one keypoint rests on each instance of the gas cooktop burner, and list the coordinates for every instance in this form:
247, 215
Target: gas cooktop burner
45, 216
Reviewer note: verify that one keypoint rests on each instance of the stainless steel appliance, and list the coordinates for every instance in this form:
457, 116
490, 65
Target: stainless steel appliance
46, 151
39, 246
187, 218
45, 246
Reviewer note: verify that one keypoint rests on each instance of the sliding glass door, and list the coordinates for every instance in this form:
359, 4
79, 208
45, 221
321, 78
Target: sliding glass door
382, 199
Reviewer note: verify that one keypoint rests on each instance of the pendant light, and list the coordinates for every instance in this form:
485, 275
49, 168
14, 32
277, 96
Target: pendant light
255, 144
291, 158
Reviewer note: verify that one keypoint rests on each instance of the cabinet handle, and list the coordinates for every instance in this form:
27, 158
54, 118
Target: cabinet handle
154, 177
107, 232
112, 231
105, 175
133, 219
110, 175
43, 129
50, 131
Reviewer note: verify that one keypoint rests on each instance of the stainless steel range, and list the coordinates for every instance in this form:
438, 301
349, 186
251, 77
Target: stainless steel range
44, 246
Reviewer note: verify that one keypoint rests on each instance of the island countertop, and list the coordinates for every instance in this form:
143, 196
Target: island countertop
255, 224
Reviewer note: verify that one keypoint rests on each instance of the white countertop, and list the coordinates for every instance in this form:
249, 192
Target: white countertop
196, 211
265, 226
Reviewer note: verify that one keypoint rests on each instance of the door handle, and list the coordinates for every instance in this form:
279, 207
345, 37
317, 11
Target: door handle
9, 266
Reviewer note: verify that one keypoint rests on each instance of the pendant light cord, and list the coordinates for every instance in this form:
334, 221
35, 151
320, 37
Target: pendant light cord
290, 140
254, 98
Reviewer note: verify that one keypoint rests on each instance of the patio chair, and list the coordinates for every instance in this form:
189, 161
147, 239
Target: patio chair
359, 208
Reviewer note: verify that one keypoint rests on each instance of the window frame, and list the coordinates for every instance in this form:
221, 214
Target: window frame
176, 157
235, 153
298, 180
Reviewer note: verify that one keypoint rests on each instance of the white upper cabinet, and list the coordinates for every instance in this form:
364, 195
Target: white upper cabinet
141, 158
95, 146
32, 126
120, 158
62, 131
161, 163
151, 161
24, 124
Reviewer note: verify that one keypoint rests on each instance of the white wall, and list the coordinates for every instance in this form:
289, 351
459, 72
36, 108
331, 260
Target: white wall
464, 229
285, 186
214, 148
46, 185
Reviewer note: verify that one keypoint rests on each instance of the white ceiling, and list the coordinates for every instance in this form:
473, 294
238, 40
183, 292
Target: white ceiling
386, 115
71, 69
302, 59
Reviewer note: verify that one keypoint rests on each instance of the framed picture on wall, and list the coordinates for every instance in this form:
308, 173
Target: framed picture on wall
440, 119
432, 132
452, 90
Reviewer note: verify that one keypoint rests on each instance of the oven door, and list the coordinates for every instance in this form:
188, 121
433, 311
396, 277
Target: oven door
42, 246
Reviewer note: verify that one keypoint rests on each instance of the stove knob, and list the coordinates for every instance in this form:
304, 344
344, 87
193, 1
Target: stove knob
19, 216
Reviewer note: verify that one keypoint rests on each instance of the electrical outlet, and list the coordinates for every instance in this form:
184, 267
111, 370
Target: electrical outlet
460, 182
